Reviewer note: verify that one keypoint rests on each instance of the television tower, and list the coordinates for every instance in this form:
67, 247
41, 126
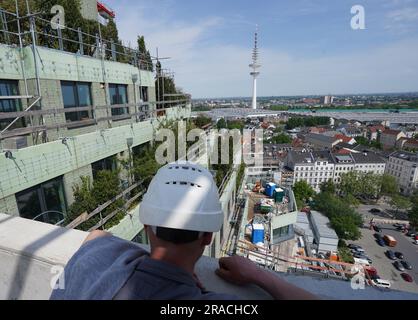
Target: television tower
255, 66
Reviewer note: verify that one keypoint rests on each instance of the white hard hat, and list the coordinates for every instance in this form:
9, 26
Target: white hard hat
182, 196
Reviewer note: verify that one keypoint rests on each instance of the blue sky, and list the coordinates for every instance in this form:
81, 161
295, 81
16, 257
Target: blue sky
306, 47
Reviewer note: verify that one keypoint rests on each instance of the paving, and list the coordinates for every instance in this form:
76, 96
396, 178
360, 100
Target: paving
384, 266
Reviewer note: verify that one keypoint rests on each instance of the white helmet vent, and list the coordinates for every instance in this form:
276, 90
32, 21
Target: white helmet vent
184, 168
184, 183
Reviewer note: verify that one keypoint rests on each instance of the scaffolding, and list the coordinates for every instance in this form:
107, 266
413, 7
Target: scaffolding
33, 30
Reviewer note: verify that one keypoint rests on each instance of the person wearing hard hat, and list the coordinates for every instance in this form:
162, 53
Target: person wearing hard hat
180, 211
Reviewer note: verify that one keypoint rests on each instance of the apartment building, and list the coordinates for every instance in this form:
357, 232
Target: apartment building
389, 138
403, 166
321, 141
67, 114
318, 167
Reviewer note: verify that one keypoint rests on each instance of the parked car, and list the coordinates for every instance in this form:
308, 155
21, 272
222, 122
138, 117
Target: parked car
381, 283
407, 277
398, 225
375, 210
381, 242
406, 265
398, 265
359, 250
411, 233
377, 229
378, 236
361, 261
353, 246
415, 241
360, 255
391, 255
399, 255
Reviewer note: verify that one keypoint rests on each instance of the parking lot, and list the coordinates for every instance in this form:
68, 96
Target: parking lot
381, 262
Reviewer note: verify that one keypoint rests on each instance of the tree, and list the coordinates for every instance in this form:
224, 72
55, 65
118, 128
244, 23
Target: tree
389, 186
281, 138
413, 216
399, 203
328, 186
145, 56
343, 218
88, 196
202, 121
303, 191
350, 184
221, 124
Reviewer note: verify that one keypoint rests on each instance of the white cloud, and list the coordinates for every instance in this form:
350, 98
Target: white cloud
206, 67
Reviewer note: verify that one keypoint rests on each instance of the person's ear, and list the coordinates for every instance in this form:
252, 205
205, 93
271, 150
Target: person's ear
207, 239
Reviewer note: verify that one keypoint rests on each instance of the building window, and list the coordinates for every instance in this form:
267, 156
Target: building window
47, 199
8, 89
144, 94
119, 96
76, 95
104, 164
280, 232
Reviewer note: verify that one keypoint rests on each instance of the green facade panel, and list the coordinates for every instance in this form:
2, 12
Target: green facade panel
59, 65
34, 165
10, 63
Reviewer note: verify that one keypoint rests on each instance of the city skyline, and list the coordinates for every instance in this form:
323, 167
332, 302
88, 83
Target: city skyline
309, 48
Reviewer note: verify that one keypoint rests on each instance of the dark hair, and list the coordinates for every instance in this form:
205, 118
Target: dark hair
177, 236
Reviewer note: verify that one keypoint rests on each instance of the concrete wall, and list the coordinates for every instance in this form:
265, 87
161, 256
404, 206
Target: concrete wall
26, 264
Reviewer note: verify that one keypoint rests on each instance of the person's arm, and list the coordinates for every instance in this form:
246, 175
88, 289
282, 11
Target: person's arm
241, 271
96, 234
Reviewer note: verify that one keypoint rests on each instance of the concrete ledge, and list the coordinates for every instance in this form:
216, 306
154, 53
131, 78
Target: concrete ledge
29, 250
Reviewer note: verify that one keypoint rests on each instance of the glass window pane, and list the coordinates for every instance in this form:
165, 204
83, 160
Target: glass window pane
113, 95
29, 203
53, 195
123, 95
84, 96
68, 94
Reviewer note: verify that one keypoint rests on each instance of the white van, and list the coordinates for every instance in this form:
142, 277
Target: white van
381, 283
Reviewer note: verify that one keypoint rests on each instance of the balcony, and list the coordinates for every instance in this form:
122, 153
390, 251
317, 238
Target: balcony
26, 262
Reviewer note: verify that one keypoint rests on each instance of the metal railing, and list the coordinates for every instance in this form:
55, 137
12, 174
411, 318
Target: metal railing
143, 112
35, 29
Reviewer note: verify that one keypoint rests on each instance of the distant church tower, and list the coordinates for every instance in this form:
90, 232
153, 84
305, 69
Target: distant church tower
255, 66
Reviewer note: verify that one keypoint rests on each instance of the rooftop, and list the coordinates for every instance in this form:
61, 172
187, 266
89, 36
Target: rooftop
322, 224
409, 156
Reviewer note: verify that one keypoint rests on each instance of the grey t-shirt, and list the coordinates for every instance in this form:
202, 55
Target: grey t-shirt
111, 268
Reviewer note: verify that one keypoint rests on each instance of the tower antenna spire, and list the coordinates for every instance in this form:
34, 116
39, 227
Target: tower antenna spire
255, 66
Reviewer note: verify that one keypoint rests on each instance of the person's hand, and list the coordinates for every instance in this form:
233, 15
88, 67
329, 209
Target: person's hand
238, 270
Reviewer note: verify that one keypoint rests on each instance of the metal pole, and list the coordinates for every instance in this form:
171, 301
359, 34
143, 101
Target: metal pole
5, 28
32, 30
22, 60
80, 40
60, 42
